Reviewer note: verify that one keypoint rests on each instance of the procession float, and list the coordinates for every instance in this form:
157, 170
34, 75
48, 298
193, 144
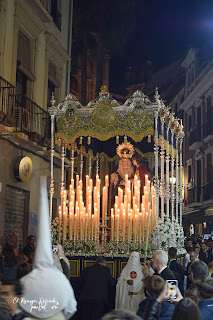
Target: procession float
92, 218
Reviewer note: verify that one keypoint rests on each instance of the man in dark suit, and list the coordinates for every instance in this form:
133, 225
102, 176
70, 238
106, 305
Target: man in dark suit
30, 246
176, 267
160, 261
97, 289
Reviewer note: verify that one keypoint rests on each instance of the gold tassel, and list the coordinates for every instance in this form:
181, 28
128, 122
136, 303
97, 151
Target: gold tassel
81, 139
149, 138
125, 139
117, 139
89, 140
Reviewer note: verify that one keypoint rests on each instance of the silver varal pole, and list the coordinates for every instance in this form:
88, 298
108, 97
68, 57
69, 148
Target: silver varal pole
167, 175
177, 176
72, 161
181, 171
52, 111
162, 183
156, 177
172, 176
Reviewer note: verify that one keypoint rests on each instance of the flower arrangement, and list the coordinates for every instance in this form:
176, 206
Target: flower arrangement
122, 247
133, 246
79, 246
165, 233
179, 234
90, 246
111, 245
68, 246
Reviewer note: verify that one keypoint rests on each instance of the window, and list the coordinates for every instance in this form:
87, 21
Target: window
23, 53
189, 123
209, 108
52, 82
209, 168
189, 173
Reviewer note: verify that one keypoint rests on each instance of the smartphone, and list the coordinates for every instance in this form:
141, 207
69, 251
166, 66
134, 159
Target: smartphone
172, 286
55, 248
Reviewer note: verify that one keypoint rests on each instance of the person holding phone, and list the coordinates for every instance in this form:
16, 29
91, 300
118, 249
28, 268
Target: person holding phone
60, 261
185, 309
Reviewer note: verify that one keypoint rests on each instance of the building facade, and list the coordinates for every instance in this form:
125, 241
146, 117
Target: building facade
198, 123
35, 60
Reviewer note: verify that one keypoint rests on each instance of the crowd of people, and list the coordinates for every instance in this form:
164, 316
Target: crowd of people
35, 283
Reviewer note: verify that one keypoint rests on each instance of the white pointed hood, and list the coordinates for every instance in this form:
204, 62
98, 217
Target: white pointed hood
43, 254
46, 290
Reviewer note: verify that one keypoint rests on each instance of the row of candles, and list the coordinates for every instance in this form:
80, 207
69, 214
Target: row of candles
130, 218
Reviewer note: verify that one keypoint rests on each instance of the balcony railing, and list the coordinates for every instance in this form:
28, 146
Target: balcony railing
195, 135
7, 97
207, 128
208, 191
194, 195
31, 118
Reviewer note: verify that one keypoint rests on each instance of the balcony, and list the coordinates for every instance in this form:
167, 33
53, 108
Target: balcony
195, 139
32, 120
208, 131
7, 102
208, 191
194, 196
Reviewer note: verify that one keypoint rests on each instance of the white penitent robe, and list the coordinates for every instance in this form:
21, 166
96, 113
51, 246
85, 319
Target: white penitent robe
129, 296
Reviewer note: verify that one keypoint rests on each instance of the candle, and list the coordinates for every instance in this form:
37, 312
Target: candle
129, 227
146, 178
112, 224
117, 226
124, 224
86, 226
92, 230
75, 226
59, 225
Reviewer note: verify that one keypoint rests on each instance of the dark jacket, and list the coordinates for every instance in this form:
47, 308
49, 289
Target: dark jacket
166, 308
206, 309
28, 250
179, 272
166, 274
152, 311
97, 285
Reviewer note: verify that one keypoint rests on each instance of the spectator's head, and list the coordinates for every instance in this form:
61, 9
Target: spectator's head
172, 253
160, 259
186, 309
121, 315
198, 269
154, 285
22, 270
189, 242
191, 293
9, 290
210, 243
31, 240
13, 239
10, 259
5, 310
205, 288
203, 246
197, 248
31, 257
102, 261
193, 255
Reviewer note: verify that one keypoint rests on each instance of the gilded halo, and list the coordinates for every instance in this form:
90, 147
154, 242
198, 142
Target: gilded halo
125, 150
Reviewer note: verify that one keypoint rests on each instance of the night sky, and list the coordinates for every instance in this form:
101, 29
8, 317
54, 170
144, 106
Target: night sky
165, 30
